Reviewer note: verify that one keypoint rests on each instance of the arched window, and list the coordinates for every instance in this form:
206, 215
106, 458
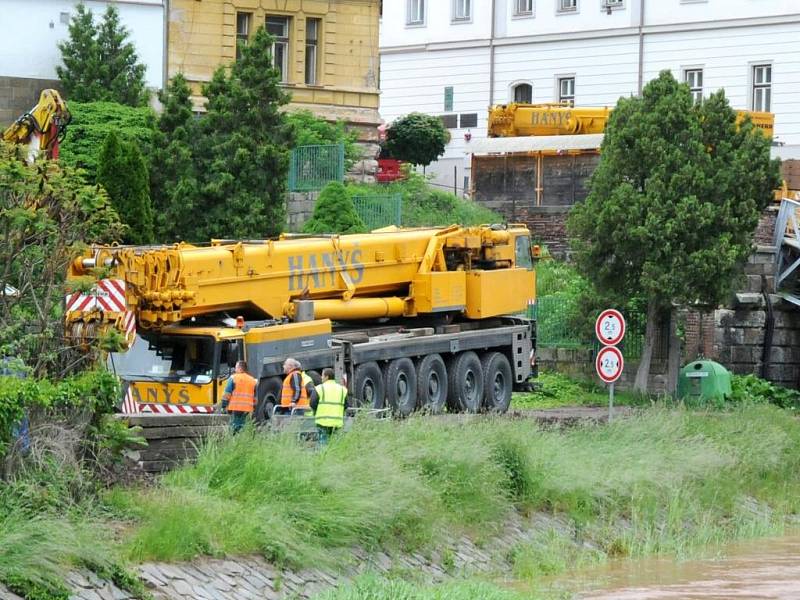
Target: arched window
523, 93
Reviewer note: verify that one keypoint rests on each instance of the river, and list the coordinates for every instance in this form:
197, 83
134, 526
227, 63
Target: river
761, 569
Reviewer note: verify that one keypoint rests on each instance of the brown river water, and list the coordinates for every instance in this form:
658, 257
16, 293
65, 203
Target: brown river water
761, 569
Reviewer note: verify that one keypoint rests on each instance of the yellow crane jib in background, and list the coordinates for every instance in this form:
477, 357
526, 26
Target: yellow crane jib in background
42, 127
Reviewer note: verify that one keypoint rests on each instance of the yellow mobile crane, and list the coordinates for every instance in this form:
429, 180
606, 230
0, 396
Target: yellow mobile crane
42, 127
512, 120
415, 318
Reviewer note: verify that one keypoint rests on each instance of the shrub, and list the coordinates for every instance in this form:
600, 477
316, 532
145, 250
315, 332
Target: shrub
310, 130
334, 212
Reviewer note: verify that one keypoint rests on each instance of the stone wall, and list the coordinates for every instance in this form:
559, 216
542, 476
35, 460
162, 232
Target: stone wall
19, 94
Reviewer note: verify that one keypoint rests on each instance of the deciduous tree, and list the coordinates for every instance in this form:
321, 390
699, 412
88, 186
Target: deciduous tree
673, 203
417, 138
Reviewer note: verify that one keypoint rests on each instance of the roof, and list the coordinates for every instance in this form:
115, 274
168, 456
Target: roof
535, 143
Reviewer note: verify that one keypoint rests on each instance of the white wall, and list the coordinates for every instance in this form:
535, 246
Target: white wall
28, 44
547, 19
438, 27
663, 12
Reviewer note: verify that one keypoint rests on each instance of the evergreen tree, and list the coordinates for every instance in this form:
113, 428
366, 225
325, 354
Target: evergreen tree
173, 183
243, 148
99, 64
334, 212
122, 172
673, 203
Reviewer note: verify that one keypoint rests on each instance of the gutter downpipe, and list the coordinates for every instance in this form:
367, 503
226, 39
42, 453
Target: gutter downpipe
165, 60
641, 45
491, 55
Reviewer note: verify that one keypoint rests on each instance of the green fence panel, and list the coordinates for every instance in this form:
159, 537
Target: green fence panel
380, 210
313, 167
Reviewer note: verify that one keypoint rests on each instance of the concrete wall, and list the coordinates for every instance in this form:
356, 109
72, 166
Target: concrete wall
19, 94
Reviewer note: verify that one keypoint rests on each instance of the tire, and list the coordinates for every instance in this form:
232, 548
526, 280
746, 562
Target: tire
315, 377
269, 395
498, 382
400, 381
368, 388
432, 384
465, 383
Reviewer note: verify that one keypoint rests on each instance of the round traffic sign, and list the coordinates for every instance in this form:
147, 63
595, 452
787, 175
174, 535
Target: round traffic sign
609, 363
610, 327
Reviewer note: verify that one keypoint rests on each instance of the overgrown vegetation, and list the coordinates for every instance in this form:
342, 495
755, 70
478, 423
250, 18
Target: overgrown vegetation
424, 205
372, 587
309, 130
554, 390
47, 214
663, 482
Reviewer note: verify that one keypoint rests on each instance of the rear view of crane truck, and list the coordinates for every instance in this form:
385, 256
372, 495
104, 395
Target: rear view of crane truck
416, 319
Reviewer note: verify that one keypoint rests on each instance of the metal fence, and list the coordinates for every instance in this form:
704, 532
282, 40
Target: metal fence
313, 167
379, 210
556, 328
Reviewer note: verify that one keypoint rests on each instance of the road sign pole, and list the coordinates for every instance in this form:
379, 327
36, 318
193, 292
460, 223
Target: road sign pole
610, 401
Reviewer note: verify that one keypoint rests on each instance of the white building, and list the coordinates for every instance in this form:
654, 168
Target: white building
32, 30
455, 58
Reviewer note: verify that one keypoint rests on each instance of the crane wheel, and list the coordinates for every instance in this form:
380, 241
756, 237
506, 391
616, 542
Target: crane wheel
269, 394
498, 382
432, 384
401, 386
368, 389
465, 383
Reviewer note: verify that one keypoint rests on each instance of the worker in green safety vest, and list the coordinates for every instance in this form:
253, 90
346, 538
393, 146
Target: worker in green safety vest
329, 407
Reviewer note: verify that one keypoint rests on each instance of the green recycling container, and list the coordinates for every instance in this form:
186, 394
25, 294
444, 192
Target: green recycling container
704, 381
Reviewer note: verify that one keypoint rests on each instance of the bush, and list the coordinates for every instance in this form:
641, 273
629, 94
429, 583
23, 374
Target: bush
424, 206
310, 130
417, 138
753, 389
92, 122
334, 212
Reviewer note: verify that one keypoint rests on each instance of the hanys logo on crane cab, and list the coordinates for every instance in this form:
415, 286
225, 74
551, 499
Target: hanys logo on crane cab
314, 271
551, 118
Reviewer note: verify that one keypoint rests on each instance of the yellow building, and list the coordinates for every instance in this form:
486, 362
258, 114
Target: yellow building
325, 50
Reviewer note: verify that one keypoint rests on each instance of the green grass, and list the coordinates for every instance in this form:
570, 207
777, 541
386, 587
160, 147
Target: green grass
555, 390
372, 587
668, 481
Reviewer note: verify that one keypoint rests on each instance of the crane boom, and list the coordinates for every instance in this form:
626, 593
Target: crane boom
42, 127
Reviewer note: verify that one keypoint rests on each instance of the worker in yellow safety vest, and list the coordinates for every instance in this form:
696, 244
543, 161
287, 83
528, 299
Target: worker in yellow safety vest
298, 388
330, 406
239, 398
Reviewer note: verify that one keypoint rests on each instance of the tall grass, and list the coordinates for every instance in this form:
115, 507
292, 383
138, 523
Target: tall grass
664, 482
371, 587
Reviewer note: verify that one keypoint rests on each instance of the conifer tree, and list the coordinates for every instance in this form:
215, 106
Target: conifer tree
334, 212
244, 148
99, 64
673, 203
173, 183
122, 172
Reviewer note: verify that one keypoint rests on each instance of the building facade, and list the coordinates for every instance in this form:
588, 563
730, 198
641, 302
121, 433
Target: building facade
29, 50
326, 51
461, 56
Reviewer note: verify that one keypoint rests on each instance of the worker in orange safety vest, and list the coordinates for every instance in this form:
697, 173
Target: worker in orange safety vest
296, 391
239, 398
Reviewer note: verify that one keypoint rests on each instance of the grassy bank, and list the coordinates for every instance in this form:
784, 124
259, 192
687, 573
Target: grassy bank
666, 482
554, 390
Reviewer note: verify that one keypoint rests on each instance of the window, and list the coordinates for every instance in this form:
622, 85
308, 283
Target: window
613, 3
279, 28
566, 90
415, 12
469, 120
523, 93
523, 8
312, 50
762, 88
694, 77
567, 5
242, 31
462, 10
450, 121
448, 99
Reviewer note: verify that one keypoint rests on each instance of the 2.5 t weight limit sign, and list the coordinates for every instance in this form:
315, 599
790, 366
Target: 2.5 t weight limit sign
610, 327
609, 364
